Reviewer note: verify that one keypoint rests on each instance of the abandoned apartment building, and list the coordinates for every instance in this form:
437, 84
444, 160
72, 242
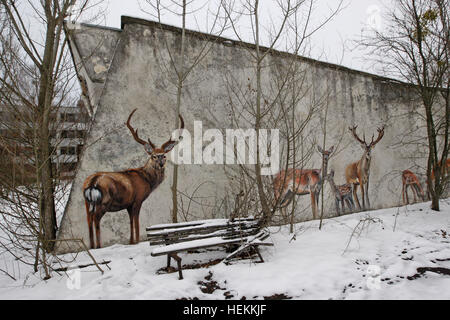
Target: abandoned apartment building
67, 131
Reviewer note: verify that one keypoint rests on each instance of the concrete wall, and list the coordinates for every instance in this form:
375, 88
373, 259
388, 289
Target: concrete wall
139, 75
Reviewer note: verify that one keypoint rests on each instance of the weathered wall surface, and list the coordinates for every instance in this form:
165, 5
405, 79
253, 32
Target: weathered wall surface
140, 77
92, 49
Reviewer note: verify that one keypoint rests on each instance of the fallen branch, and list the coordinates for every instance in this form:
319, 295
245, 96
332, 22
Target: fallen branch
359, 228
81, 266
85, 249
6, 273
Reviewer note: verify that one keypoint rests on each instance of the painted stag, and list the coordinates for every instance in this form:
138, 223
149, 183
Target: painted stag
409, 179
358, 172
291, 182
115, 191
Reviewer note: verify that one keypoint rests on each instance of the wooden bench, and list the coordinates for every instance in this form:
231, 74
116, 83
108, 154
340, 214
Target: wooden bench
178, 237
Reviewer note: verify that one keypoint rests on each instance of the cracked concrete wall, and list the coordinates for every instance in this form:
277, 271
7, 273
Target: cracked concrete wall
140, 76
92, 51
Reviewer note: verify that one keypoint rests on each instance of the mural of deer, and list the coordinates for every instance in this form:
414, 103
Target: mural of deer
115, 191
409, 179
291, 182
358, 172
342, 193
445, 169
444, 173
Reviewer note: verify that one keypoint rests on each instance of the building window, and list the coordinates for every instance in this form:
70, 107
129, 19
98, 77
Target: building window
66, 134
83, 117
79, 149
70, 166
52, 117
67, 150
70, 117
72, 134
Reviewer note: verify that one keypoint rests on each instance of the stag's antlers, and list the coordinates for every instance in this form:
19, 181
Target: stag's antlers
326, 152
135, 132
168, 145
380, 135
363, 141
353, 130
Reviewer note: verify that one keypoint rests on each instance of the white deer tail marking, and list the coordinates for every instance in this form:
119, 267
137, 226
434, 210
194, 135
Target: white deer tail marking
93, 196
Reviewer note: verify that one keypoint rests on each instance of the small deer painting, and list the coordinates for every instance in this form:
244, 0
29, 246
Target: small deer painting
291, 182
409, 179
342, 193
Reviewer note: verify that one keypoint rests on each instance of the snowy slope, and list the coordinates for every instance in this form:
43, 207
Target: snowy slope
350, 258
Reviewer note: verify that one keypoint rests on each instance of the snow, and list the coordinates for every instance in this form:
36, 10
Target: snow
201, 243
205, 222
347, 259
199, 224
188, 224
192, 244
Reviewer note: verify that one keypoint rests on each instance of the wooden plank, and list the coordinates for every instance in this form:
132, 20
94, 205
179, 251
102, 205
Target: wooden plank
170, 240
226, 234
199, 234
195, 244
185, 231
204, 243
188, 232
202, 228
176, 225
246, 246
181, 238
256, 241
195, 223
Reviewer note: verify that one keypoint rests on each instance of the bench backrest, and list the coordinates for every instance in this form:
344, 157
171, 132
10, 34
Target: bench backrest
202, 229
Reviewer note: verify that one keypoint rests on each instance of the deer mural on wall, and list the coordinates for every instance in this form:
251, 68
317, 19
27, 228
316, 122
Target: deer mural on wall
326, 154
409, 179
358, 172
342, 193
444, 173
114, 191
444, 169
291, 182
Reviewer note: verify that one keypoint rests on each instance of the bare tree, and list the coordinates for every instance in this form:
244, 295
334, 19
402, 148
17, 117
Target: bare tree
272, 101
179, 63
414, 46
36, 80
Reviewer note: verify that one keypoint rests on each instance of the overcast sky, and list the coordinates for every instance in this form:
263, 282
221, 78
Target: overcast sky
333, 43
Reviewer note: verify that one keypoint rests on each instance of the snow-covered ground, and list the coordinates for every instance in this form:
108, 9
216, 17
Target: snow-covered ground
398, 253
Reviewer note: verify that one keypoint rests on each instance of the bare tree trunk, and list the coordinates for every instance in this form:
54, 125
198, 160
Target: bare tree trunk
267, 212
44, 164
324, 172
179, 93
